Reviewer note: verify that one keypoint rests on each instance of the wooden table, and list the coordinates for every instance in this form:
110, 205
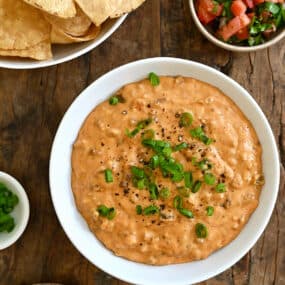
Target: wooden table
32, 104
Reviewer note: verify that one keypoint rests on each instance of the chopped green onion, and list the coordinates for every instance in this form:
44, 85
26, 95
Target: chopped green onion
166, 151
151, 210
188, 179
139, 209
113, 100
183, 191
108, 176
203, 165
112, 214
137, 172
180, 146
154, 79
106, 212
186, 120
141, 184
164, 193
186, 213
154, 162
220, 188
177, 202
210, 211
199, 134
140, 126
201, 230
153, 191
196, 186
157, 145
148, 134
177, 176
209, 178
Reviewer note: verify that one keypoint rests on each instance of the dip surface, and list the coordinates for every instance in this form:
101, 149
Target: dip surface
166, 237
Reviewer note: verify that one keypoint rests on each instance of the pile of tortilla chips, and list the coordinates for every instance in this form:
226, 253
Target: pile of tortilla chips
28, 28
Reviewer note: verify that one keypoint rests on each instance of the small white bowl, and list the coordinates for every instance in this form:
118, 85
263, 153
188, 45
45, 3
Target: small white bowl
21, 212
77, 229
276, 38
66, 52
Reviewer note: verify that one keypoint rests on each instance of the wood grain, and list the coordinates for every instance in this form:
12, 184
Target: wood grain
32, 104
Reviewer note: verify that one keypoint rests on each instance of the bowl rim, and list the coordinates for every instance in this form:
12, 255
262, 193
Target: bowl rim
35, 64
160, 60
23, 199
230, 47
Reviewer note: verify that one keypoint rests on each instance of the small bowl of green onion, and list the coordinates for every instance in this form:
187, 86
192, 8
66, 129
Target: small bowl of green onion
14, 210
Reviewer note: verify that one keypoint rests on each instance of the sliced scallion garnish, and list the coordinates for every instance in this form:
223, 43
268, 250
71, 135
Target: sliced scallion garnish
154, 79
199, 134
210, 211
108, 176
209, 178
201, 230
186, 120
220, 188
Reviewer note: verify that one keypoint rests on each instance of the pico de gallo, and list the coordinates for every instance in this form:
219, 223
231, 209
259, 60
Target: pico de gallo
242, 22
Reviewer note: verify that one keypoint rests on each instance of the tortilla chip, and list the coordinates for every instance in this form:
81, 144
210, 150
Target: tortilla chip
100, 10
60, 8
60, 37
75, 26
21, 25
41, 51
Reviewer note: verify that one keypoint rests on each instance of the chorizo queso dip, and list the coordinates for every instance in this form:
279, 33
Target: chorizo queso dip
168, 170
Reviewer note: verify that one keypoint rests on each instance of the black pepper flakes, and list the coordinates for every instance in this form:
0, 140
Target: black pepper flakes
126, 191
162, 206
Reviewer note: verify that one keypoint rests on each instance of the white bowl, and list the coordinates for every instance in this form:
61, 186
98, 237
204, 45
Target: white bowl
78, 231
276, 38
63, 53
21, 212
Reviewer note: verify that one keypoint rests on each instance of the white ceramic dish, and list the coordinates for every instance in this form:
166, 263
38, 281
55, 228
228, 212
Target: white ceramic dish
76, 228
276, 38
21, 212
63, 53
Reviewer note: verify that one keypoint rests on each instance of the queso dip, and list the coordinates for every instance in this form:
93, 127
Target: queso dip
168, 170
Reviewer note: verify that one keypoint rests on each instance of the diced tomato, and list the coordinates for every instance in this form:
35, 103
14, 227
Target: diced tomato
257, 2
238, 7
251, 15
243, 34
204, 16
211, 7
233, 26
249, 3
208, 10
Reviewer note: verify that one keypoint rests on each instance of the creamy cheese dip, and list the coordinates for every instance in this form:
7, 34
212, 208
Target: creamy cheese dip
225, 160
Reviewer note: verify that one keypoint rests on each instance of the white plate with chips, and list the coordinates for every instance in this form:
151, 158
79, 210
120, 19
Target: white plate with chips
41, 33
63, 53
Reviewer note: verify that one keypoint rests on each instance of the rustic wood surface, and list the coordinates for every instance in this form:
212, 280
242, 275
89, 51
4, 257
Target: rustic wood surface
32, 104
